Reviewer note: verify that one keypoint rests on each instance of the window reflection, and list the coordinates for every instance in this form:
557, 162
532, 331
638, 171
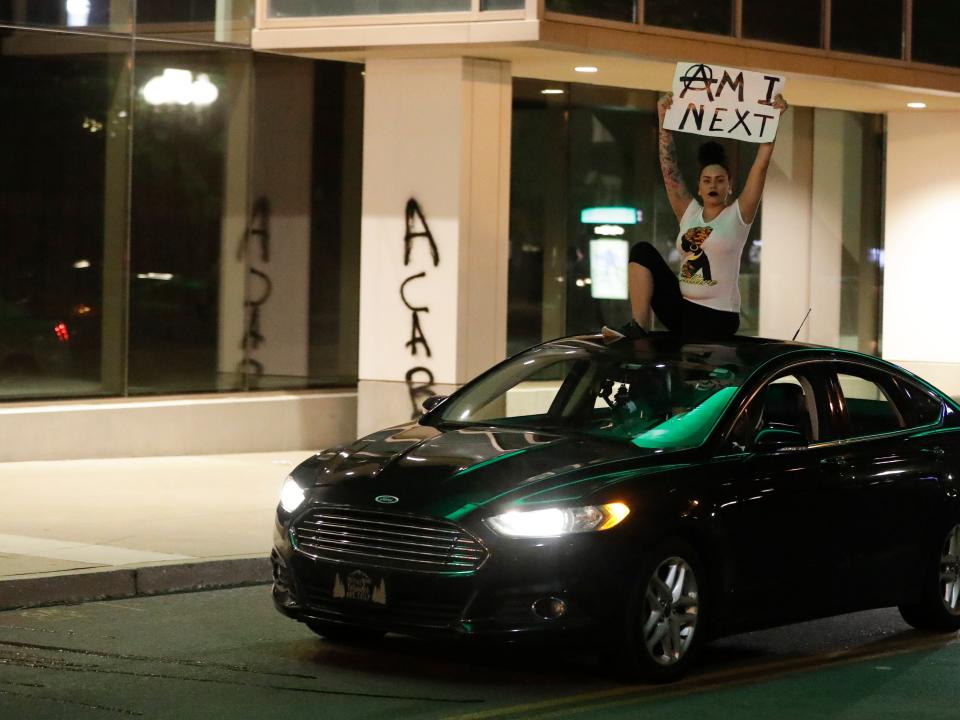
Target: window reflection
76, 15
935, 26
870, 27
709, 16
215, 21
502, 4
62, 200
623, 10
320, 8
800, 25
179, 205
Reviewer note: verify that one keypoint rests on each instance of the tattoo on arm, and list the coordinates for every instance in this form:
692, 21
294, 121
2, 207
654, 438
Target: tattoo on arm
676, 189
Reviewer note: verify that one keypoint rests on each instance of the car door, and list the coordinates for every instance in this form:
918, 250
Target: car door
879, 432
788, 505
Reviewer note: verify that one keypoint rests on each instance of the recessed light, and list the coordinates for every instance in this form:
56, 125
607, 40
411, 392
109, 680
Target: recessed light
551, 91
586, 69
916, 105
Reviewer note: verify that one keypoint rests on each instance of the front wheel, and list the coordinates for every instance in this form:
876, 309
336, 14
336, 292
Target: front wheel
939, 606
663, 624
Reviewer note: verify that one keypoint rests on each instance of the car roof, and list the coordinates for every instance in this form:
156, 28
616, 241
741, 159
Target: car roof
742, 354
747, 353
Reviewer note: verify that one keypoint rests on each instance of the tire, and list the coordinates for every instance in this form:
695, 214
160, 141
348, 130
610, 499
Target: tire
939, 605
662, 627
345, 634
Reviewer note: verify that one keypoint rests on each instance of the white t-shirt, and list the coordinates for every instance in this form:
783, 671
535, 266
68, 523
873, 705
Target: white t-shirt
711, 252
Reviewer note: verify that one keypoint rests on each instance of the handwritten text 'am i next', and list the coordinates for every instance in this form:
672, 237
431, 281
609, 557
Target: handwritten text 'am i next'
724, 102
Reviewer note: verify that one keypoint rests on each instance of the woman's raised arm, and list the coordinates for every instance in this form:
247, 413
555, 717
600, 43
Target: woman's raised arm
753, 188
677, 191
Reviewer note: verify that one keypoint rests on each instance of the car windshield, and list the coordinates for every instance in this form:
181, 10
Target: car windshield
661, 400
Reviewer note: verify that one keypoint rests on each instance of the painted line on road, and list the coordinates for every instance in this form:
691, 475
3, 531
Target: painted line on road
740, 675
80, 552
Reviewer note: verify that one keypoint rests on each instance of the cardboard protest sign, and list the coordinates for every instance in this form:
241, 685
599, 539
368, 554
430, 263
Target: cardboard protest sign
724, 102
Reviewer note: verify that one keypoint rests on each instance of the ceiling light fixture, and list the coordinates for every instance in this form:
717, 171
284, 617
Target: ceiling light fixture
551, 91
586, 69
916, 105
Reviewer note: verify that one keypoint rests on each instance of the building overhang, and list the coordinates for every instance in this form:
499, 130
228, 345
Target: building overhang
630, 56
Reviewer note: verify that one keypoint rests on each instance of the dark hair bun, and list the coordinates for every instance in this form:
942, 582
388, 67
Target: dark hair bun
713, 153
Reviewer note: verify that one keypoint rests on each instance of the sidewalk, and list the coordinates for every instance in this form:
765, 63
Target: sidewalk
74, 530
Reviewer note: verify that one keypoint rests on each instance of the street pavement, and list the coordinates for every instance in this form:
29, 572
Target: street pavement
84, 529
229, 654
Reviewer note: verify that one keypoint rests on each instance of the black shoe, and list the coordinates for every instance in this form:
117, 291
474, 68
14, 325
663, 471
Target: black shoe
631, 331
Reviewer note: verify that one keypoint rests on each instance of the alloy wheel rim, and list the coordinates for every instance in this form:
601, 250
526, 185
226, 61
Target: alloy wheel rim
950, 572
670, 611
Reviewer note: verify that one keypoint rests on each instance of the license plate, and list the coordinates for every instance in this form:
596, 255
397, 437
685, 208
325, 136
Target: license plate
360, 586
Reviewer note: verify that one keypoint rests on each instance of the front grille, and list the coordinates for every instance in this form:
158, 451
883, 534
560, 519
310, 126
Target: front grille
388, 541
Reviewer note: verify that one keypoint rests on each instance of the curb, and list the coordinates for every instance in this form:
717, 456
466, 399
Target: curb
85, 585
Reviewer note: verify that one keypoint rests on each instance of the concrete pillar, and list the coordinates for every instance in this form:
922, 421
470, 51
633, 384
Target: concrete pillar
436, 132
828, 200
785, 230
280, 192
236, 203
919, 290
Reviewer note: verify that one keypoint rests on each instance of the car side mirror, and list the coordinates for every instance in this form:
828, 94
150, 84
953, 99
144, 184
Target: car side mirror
431, 402
774, 438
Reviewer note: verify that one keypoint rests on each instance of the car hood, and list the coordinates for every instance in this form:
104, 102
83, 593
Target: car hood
452, 472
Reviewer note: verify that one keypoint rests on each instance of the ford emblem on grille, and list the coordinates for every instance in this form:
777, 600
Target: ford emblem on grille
387, 499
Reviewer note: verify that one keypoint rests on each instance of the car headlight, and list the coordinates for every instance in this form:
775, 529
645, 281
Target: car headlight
551, 522
291, 495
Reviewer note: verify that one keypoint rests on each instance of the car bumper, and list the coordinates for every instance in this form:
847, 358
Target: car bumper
510, 597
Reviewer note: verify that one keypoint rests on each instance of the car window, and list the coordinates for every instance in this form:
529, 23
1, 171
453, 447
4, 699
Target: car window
921, 408
663, 402
786, 403
868, 407
532, 397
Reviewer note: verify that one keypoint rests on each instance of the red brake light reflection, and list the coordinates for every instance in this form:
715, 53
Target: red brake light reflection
61, 331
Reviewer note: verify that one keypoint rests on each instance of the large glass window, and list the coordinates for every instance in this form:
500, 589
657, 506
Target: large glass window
795, 24
624, 10
75, 15
870, 27
245, 285
197, 20
62, 213
935, 24
189, 117
320, 8
502, 4
166, 228
709, 16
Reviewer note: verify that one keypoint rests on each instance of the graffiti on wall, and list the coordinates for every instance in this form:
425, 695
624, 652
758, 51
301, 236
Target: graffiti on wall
419, 379
258, 290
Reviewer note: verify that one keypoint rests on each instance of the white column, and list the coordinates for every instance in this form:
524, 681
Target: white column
437, 132
827, 228
785, 230
919, 289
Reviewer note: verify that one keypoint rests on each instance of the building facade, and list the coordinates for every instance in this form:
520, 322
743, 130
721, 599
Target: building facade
239, 225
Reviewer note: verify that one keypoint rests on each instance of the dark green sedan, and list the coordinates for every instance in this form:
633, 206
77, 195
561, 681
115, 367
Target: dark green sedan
640, 497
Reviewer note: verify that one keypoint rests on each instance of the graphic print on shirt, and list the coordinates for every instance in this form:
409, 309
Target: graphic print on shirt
696, 267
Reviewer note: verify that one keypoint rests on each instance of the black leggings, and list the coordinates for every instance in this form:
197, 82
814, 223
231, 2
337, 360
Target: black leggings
678, 314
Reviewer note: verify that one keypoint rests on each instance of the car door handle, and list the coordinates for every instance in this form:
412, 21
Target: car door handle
834, 462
